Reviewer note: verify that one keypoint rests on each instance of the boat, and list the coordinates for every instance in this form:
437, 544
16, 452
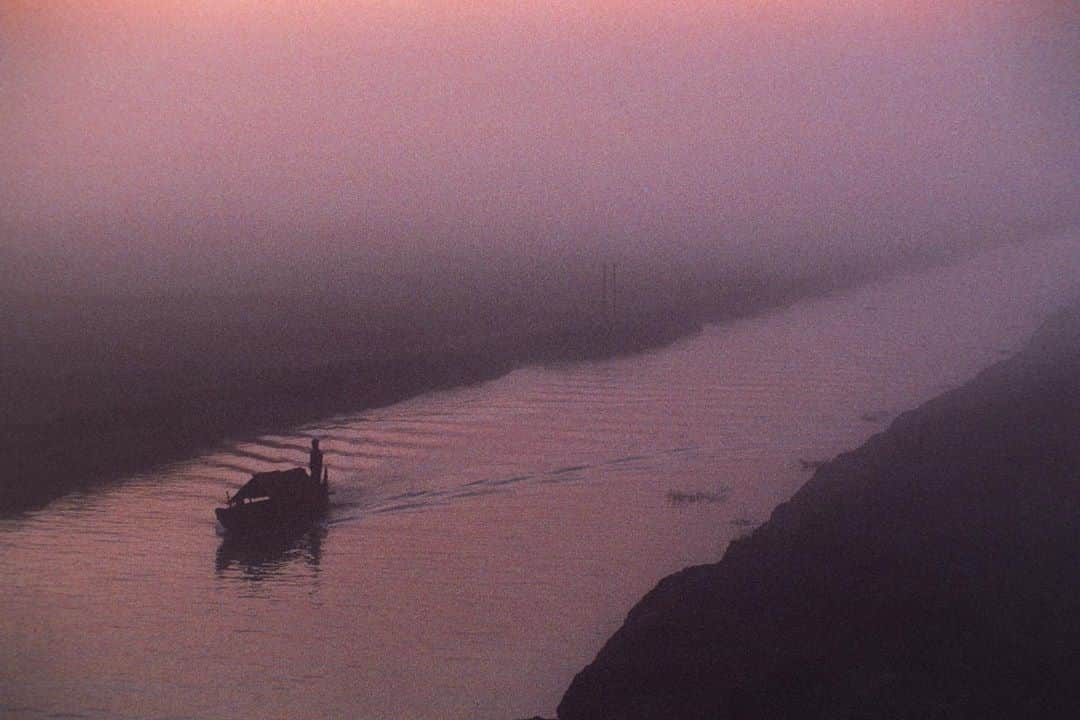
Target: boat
275, 501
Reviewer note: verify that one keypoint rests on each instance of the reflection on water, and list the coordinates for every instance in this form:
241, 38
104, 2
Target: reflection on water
270, 555
483, 543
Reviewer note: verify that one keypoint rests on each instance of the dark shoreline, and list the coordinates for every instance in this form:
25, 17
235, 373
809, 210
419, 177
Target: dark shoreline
87, 449
92, 446
932, 572
140, 420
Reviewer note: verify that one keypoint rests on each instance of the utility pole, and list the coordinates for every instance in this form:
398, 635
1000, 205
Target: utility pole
603, 291
614, 291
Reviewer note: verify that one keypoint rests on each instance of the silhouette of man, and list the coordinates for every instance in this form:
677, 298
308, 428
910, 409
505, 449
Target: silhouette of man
315, 460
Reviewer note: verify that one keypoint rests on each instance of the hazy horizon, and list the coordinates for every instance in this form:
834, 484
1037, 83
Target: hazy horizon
230, 227
204, 144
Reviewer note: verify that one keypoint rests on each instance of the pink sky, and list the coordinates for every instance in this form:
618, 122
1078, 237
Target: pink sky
756, 129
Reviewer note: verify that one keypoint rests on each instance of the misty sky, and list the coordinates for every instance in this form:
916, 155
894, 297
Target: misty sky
207, 136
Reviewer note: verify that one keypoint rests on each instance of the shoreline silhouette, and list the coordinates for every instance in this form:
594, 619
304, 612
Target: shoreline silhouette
932, 570
132, 417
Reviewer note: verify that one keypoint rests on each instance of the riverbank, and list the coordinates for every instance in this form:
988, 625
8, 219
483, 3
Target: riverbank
933, 572
95, 442
137, 408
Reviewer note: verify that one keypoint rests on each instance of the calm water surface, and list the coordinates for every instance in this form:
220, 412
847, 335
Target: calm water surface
482, 543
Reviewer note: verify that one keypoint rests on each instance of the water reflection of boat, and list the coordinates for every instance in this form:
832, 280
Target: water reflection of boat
265, 556
275, 502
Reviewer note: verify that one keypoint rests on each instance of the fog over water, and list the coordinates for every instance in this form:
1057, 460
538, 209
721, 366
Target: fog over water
214, 215
200, 144
227, 226
482, 543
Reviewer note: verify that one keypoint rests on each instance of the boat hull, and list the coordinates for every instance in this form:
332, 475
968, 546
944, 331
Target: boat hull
270, 516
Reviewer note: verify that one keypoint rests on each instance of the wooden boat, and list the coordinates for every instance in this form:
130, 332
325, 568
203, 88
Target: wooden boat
275, 502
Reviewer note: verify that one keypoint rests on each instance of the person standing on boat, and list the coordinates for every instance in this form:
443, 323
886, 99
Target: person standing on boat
315, 466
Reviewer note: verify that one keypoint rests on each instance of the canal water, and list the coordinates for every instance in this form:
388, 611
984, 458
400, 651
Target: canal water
483, 542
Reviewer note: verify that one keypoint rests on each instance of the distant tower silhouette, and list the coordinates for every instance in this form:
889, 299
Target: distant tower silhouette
614, 291
603, 291
608, 292
608, 301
